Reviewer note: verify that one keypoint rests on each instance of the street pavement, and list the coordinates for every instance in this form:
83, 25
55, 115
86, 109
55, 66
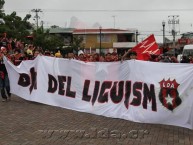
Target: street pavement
29, 123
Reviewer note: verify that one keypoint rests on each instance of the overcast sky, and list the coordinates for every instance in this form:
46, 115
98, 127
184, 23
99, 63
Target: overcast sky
144, 15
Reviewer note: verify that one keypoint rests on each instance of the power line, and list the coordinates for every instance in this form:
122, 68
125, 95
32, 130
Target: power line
102, 10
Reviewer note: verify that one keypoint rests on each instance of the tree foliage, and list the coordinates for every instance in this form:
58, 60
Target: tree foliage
19, 28
15, 27
77, 44
2, 2
47, 41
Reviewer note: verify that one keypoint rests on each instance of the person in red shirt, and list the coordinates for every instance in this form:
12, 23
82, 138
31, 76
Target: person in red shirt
108, 57
96, 57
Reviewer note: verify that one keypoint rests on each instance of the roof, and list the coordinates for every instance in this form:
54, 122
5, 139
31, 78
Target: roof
104, 31
189, 46
61, 30
2, 21
91, 31
186, 33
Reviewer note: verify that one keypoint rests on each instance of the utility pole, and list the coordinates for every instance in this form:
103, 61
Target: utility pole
163, 24
173, 21
42, 26
36, 11
100, 29
136, 36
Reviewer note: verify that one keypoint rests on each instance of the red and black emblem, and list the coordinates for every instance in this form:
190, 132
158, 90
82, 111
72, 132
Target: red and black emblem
169, 96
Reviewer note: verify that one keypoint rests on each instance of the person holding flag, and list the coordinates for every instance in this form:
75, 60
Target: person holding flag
145, 49
129, 55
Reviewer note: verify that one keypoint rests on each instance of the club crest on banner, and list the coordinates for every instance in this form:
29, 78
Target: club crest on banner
168, 95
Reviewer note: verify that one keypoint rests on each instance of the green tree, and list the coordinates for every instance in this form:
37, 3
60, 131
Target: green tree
19, 28
16, 27
77, 44
47, 41
2, 2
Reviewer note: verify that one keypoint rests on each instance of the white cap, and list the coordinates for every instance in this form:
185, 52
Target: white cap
3, 48
80, 52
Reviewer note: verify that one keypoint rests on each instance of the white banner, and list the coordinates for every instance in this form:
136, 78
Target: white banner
140, 91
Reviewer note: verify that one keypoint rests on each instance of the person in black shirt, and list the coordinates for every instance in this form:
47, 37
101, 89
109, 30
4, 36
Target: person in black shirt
4, 80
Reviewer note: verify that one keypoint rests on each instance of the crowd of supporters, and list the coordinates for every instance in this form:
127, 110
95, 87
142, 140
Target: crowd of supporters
30, 52
17, 51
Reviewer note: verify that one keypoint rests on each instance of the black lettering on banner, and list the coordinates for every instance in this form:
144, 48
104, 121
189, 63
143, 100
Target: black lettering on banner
85, 95
149, 94
127, 93
137, 100
117, 92
70, 93
52, 84
96, 91
103, 97
33, 79
24, 80
61, 80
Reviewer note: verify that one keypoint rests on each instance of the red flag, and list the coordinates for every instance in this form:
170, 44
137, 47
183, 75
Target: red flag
146, 48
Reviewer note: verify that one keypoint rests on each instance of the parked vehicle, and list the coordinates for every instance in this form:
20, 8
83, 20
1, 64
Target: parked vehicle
187, 51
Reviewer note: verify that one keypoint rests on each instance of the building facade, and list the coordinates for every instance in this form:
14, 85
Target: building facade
105, 40
99, 40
